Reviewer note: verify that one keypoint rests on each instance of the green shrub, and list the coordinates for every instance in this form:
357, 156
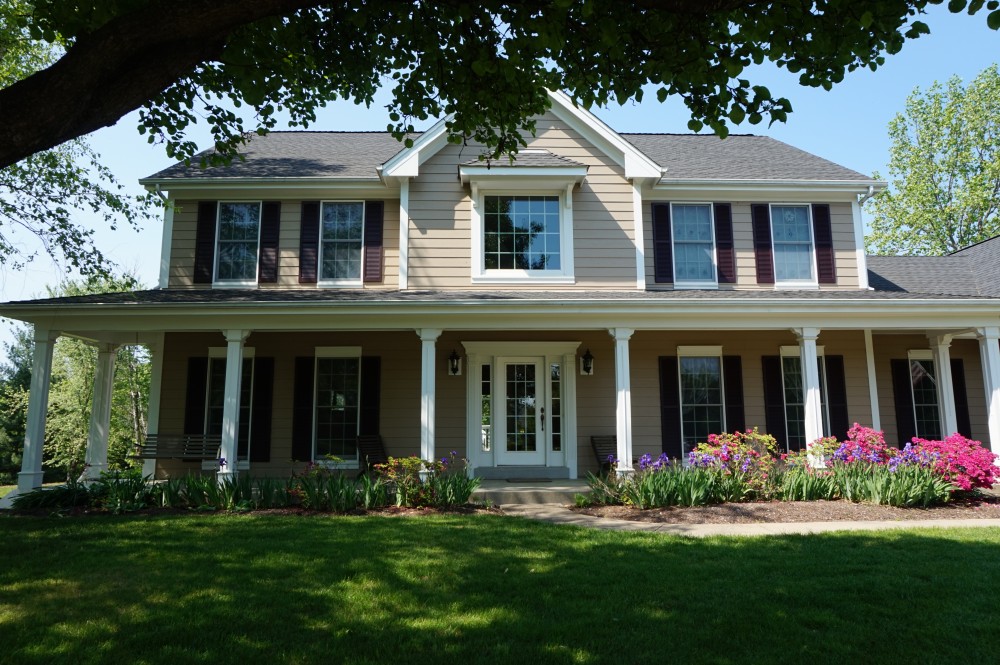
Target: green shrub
71, 495
805, 484
446, 484
122, 491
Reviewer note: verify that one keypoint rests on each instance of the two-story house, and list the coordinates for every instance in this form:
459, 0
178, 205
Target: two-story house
655, 287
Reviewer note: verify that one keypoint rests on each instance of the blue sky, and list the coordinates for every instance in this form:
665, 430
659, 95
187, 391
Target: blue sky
846, 125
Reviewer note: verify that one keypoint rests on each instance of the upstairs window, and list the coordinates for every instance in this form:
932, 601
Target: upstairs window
694, 244
521, 233
792, 242
341, 238
238, 241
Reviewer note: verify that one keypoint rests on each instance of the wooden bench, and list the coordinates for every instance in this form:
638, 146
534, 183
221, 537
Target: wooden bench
604, 447
179, 446
370, 451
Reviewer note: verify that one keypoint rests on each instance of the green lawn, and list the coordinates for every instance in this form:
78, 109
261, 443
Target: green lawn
5, 490
484, 589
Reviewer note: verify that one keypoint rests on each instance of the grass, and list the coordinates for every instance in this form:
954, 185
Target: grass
484, 589
6, 489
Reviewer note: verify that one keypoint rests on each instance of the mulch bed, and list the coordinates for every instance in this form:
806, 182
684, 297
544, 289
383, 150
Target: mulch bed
984, 507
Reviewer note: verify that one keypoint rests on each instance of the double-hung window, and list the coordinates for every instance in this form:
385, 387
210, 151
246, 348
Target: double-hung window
237, 242
924, 391
693, 244
701, 393
216, 397
792, 243
795, 401
337, 403
341, 237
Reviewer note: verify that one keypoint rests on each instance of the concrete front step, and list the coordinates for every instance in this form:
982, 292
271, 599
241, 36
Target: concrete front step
502, 492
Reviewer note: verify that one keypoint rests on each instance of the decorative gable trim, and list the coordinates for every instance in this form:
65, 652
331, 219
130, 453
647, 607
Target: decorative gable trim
636, 164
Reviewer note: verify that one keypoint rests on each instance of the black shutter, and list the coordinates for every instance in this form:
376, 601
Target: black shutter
774, 399
836, 396
962, 418
763, 257
308, 242
670, 408
371, 388
732, 372
194, 398
663, 259
270, 223
902, 384
826, 262
374, 253
204, 243
302, 412
260, 423
724, 250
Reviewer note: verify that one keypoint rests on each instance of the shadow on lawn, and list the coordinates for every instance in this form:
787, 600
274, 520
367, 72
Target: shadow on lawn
484, 590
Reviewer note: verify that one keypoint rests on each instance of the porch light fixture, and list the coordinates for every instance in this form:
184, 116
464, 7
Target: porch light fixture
454, 364
587, 364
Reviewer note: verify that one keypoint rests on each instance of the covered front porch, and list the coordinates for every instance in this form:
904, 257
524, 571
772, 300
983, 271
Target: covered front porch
519, 385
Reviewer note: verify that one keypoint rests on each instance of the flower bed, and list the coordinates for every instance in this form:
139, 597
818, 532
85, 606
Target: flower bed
446, 485
744, 466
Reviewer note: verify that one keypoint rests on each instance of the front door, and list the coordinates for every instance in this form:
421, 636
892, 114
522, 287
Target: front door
520, 429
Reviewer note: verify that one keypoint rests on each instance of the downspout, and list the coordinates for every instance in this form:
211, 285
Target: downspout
867, 195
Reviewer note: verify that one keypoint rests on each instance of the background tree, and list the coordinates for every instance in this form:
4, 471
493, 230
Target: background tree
40, 194
71, 394
944, 165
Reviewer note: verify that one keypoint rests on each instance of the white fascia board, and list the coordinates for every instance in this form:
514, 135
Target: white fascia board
917, 315
855, 186
284, 189
406, 163
501, 175
635, 163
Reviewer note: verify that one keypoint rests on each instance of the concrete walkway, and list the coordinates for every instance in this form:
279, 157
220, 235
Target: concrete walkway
560, 514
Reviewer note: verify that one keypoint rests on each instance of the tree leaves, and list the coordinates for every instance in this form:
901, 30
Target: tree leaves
945, 169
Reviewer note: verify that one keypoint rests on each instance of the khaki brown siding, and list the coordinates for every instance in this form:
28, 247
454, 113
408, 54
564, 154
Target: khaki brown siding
185, 227
842, 222
603, 234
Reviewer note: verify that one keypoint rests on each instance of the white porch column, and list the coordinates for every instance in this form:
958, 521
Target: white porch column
231, 402
989, 351
810, 383
38, 404
872, 381
623, 399
940, 347
428, 367
155, 349
100, 413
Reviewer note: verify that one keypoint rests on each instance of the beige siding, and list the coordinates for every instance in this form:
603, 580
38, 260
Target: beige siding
889, 347
603, 234
647, 346
182, 246
842, 221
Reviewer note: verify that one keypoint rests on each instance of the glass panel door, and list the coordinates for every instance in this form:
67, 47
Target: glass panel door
523, 436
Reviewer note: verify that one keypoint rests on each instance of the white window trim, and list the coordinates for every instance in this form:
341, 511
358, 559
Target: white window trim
797, 283
681, 284
215, 352
565, 275
235, 283
333, 352
924, 354
796, 352
340, 283
700, 352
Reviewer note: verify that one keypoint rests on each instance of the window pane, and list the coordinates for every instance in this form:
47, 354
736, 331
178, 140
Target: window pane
216, 397
337, 407
694, 251
925, 399
795, 408
792, 240
341, 235
701, 398
237, 246
521, 232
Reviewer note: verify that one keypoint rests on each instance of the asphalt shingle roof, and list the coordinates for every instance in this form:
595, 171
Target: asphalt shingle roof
299, 155
358, 154
984, 257
930, 275
737, 157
